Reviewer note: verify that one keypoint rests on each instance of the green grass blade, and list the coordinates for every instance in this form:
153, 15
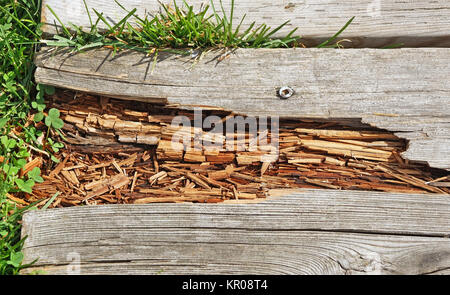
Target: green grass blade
121, 6
393, 46
268, 35
88, 13
337, 34
236, 32
122, 21
60, 22
100, 16
49, 202
230, 29
218, 19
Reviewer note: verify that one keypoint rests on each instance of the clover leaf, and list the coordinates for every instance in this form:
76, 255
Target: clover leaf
8, 143
50, 90
54, 159
3, 121
25, 186
53, 120
38, 117
20, 163
15, 259
39, 104
35, 175
55, 145
10, 169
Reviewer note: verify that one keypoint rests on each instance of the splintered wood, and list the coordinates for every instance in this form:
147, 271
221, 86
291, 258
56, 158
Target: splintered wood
124, 152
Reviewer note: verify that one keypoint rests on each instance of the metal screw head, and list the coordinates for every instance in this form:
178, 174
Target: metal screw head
195, 53
285, 92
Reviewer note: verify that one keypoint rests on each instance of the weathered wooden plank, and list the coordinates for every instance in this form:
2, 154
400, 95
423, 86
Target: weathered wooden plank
306, 232
377, 23
171, 251
405, 90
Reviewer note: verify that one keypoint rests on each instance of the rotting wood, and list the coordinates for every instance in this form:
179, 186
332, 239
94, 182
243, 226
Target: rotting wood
412, 84
36, 162
136, 173
363, 233
415, 23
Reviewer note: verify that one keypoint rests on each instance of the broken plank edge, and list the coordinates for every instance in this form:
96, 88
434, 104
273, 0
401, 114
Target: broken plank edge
383, 88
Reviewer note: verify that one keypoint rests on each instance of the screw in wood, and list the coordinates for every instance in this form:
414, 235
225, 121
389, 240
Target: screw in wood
285, 92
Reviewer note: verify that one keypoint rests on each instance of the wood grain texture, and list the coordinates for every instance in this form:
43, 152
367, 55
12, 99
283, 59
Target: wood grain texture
378, 23
305, 232
406, 91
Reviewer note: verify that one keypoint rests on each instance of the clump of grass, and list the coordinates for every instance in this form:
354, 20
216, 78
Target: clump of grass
20, 135
176, 28
19, 32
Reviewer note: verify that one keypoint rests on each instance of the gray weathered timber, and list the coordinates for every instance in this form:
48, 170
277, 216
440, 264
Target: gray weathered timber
378, 23
303, 232
406, 91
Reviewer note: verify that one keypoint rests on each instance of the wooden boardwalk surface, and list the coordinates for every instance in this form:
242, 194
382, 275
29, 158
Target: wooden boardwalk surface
303, 232
405, 91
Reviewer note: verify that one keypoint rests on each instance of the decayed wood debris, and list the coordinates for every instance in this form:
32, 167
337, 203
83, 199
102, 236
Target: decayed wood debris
121, 152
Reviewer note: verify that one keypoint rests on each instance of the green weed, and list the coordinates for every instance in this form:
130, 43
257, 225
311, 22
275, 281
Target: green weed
20, 32
176, 27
